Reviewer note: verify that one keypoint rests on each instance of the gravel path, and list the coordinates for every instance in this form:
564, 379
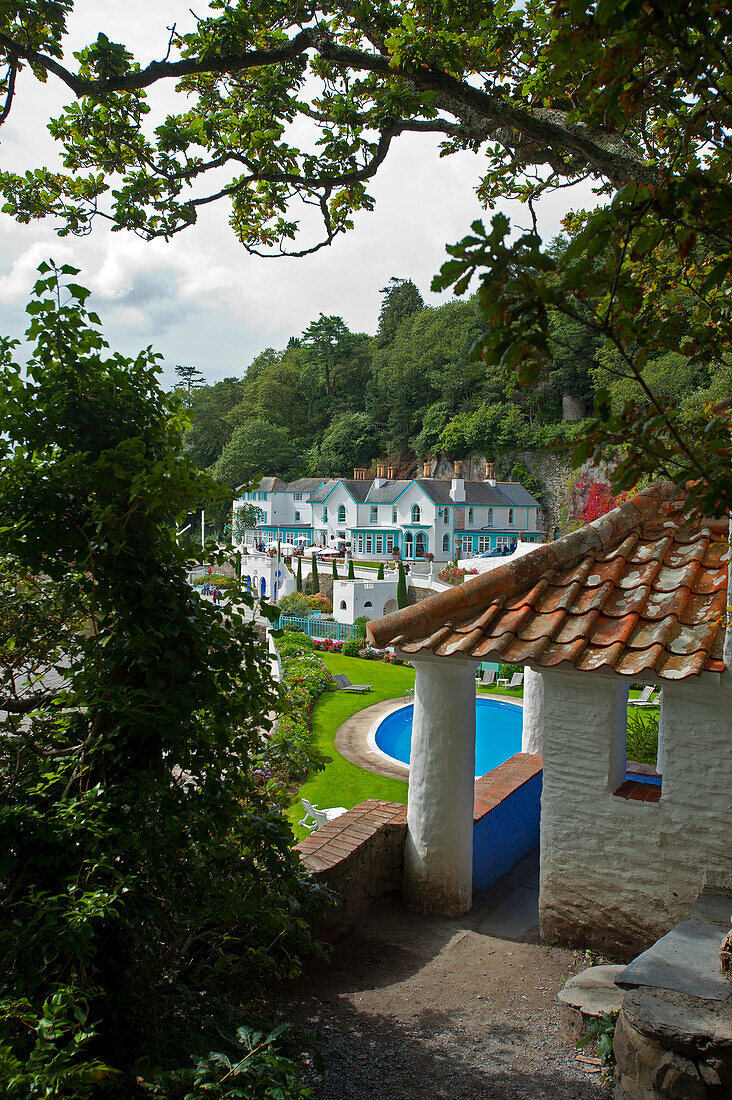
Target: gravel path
413, 1007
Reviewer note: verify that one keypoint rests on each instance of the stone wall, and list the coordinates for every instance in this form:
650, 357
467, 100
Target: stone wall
360, 856
617, 873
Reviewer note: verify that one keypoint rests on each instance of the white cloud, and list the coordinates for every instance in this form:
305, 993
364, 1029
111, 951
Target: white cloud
200, 297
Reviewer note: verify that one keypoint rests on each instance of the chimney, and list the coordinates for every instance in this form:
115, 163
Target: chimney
426, 469
490, 473
381, 470
457, 488
391, 473
458, 469
356, 473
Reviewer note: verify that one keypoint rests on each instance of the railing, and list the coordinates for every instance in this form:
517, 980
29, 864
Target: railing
318, 628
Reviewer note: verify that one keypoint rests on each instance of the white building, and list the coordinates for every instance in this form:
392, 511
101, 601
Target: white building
379, 516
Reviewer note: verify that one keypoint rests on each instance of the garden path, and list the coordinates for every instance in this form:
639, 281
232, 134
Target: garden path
411, 1007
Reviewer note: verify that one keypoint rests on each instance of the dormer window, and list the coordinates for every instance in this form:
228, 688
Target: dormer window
374, 513
341, 513
416, 514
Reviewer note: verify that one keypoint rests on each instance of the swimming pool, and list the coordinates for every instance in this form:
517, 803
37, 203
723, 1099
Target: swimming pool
498, 725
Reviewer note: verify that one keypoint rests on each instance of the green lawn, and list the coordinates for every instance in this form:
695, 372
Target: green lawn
342, 783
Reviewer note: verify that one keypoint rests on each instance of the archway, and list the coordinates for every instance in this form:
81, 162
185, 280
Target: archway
263, 586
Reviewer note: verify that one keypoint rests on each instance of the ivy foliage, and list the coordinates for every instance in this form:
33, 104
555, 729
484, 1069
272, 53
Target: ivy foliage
146, 879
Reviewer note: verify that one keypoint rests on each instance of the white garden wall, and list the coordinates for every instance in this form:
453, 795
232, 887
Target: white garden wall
361, 597
616, 873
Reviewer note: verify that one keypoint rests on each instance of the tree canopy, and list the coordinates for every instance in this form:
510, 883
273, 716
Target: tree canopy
289, 106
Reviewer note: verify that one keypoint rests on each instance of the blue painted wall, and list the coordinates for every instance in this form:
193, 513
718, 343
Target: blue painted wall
507, 833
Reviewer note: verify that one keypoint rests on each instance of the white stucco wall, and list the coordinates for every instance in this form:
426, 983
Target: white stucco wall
356, 594
616, 873
256, 566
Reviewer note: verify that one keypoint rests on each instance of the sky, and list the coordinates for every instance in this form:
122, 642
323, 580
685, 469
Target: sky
200, 299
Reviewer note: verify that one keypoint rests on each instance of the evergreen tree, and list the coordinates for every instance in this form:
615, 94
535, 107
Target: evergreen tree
380, 574
314, 579
351, 574
335, 570
402, 598
401, 299
299, 575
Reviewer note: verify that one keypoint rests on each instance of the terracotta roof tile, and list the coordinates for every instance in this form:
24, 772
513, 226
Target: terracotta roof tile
637, 591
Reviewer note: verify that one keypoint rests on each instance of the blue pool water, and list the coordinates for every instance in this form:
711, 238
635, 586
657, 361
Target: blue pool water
497, 733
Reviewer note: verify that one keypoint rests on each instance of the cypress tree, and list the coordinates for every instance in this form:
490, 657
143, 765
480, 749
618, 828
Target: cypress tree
380, 574
351, 574
402, 599
314, 579
299, 575
335, 570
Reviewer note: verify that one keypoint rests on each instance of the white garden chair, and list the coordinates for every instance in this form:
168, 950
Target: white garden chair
320, 817
516, 680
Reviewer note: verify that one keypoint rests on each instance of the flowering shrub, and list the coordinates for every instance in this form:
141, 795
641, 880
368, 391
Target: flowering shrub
452, 575
319, 602
329, 645
304, 678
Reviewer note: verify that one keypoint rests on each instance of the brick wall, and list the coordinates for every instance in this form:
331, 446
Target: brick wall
506, 817
360, 855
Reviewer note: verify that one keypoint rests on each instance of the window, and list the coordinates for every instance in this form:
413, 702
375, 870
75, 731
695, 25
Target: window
341, 513
325, 515
388, 543
408, 545
374, 514
484, 543
343, 605
297, 516
360, 544
368, 604
510, 516
394, 515
297, 496
503, 540
369, 544
379, 544
263, 496
471, 516
446, 516
420, 545
446, 543
490, 518
416, 514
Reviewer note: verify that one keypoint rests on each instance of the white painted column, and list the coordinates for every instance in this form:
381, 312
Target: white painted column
438, 857
532, 735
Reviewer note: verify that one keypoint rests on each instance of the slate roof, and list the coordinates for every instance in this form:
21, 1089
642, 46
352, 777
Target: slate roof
386, 493
305, 484
636, 591
272, 485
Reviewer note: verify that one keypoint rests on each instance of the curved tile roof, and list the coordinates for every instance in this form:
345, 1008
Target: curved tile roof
636, 591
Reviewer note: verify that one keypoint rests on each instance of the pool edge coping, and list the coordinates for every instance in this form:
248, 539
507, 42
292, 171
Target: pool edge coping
355, 739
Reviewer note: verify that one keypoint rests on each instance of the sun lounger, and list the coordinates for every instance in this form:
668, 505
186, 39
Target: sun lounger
345, 684
647, 698
516, 681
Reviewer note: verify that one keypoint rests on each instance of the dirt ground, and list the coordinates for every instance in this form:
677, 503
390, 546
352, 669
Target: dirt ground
412, 1007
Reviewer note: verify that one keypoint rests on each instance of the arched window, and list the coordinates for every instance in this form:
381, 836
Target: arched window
408, 545
471, 515
416, 514
341, 513
446, 543
343, 605
490, 517
368, 604
420, 545
325, 515
510, 515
